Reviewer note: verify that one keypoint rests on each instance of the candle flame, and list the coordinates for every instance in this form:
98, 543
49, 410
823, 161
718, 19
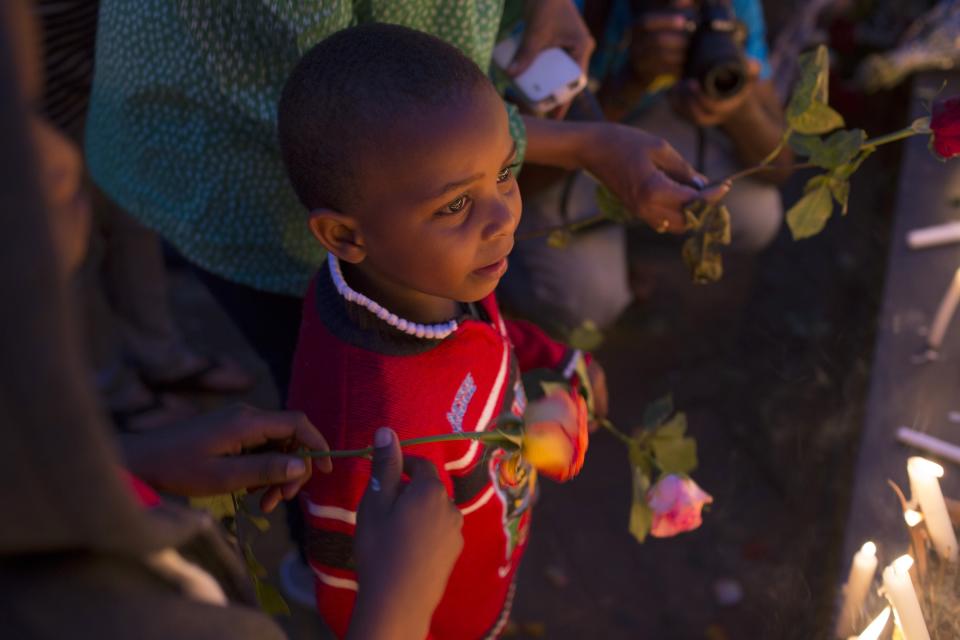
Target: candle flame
924, 467
869, 548
912, 517
875, 628
903, 564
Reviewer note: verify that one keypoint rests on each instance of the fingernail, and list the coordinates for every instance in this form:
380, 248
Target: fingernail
382, 438
699, 182
296, 468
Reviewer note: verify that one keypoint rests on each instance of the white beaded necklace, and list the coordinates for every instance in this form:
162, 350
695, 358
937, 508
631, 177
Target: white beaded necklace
429, 331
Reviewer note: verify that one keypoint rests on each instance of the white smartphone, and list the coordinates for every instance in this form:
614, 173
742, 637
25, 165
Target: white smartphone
552, 80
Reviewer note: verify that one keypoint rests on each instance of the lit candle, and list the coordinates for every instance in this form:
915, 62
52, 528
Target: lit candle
862, 570
875, 628
923, 482
945, 313
899, 589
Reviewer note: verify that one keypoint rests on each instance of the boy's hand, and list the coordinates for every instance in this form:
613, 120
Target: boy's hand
601, 398
407, 541
234, 448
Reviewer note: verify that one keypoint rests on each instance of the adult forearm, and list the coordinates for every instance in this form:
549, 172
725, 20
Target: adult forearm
555, 143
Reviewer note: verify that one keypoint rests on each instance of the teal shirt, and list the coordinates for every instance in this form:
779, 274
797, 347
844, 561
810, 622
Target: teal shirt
182, 125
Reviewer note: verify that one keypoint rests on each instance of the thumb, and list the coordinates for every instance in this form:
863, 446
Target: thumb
387, 466
531, 45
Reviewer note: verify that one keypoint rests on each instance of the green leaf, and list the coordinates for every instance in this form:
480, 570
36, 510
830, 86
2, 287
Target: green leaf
219, 507
840, 189
641, 461
610, 205
818, 118
844, 172
641, 519
657, 412
810, 214
261, 523
271, 602
672, 429
838, 149
675, 455
701, 251
586, 337
559, 239
256, 569
813, 85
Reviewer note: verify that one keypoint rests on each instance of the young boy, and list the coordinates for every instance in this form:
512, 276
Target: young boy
399, 147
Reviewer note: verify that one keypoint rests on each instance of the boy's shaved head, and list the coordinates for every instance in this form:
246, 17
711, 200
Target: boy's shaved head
349, 90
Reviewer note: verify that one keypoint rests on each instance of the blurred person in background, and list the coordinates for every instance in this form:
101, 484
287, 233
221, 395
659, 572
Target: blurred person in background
643, 79
138, 353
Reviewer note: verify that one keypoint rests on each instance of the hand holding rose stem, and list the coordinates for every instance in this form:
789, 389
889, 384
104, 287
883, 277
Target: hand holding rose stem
552, 437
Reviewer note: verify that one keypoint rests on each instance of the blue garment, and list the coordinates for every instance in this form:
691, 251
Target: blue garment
611, 53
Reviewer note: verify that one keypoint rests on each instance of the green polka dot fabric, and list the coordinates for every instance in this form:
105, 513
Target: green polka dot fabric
182, 125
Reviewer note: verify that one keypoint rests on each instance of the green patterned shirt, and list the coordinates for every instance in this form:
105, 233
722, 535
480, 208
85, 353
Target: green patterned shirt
182, 125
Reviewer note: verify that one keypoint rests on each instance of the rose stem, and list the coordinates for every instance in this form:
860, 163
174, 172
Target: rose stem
482, 436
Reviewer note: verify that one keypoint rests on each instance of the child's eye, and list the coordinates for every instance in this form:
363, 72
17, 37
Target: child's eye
457, 205
506, 174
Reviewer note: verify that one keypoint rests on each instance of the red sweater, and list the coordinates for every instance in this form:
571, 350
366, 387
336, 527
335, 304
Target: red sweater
353, 374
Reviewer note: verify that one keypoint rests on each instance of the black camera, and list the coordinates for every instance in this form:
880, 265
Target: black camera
715, 54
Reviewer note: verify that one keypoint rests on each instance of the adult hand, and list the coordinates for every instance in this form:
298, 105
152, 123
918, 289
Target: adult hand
406, 542
659, 45
690, 102
649, 177
553, 23
234, 448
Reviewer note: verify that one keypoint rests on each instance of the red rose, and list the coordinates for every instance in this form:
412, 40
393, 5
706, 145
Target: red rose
676, 503
945, 125
555, 435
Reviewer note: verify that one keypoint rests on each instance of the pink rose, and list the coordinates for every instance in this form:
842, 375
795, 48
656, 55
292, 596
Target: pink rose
676, 503
555, 435
945, 124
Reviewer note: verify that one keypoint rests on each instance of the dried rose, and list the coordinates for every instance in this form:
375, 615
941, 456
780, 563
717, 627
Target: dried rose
945, 125
555, 437
676, 503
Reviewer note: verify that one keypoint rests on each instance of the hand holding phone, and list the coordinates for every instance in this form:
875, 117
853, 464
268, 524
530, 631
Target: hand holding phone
552, 80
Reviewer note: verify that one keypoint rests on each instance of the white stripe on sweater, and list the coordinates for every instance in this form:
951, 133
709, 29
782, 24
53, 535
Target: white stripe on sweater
486, 415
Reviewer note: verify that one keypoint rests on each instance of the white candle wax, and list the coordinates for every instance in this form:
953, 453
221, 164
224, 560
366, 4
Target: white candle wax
875, 628
944, 313
862, 570
929, 444
923, 481
934, 236
899, 589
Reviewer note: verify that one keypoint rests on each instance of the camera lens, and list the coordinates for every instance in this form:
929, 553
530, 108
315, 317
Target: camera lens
724, 80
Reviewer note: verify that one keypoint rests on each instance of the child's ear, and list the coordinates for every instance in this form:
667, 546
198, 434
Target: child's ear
338, 233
